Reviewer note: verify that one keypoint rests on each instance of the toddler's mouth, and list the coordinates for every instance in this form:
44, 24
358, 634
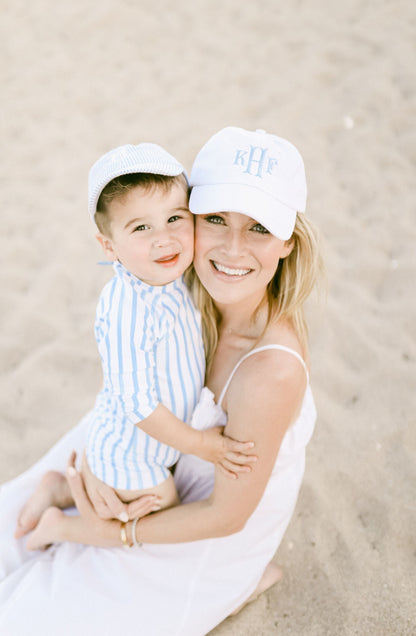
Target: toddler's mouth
171, 259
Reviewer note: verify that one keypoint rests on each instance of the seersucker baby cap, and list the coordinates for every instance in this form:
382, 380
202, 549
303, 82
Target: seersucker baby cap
129, 159
253, 173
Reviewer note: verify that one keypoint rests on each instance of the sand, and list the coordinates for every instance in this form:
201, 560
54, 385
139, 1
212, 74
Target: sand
336, 79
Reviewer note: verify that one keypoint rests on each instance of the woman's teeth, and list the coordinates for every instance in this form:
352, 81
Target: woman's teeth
229, 270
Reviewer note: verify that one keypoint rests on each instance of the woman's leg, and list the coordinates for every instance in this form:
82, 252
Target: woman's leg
271, 575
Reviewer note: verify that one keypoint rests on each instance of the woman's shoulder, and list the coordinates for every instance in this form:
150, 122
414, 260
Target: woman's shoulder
276, 358
271, 378
283, 335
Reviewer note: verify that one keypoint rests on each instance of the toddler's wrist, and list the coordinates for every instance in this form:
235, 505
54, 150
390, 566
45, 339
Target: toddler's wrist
196, 443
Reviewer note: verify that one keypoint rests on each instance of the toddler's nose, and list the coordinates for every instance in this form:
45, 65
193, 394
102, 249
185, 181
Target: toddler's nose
162, 239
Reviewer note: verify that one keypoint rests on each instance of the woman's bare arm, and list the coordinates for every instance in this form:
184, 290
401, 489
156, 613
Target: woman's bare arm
263, 400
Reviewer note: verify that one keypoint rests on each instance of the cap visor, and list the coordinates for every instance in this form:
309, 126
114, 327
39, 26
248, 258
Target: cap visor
274, 215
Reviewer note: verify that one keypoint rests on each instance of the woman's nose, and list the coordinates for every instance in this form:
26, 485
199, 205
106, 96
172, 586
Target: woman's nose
234, 243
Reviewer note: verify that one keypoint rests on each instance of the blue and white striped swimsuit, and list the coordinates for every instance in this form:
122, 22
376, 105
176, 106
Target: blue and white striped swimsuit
150, 343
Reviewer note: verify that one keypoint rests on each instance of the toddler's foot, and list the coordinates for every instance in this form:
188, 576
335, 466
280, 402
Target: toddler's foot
271, 575
46, 530
53, 490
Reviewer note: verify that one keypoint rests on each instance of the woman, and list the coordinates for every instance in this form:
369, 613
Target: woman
256, 261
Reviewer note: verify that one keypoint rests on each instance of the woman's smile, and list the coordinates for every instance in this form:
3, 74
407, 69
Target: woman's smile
230, 271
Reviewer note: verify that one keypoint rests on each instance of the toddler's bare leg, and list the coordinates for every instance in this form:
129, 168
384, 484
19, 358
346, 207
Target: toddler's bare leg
166, 492
45, 532
48, 502
271, 575
53, 490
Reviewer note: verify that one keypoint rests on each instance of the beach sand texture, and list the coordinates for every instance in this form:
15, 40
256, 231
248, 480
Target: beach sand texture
337, 80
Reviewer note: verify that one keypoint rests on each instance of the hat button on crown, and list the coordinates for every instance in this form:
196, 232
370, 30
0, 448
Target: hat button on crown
260, 130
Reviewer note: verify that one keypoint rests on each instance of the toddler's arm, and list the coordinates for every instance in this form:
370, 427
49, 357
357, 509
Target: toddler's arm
230, 455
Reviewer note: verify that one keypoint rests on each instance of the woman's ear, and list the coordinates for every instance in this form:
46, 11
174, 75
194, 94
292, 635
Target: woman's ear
107, 245
287, 248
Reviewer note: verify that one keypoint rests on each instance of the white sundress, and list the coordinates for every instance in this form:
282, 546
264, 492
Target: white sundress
183, 589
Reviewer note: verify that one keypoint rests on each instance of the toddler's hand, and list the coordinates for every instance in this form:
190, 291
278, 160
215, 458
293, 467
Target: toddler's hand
230, 455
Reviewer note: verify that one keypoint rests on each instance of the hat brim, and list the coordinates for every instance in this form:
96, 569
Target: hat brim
276, 217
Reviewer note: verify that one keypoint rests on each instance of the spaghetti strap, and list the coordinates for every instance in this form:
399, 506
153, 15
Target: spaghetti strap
250, 353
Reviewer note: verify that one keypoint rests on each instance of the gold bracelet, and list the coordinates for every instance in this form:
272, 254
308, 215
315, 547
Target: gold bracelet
123, 535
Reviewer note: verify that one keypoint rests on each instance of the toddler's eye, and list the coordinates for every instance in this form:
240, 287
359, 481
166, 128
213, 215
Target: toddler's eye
140, 228
173, 218
260, 229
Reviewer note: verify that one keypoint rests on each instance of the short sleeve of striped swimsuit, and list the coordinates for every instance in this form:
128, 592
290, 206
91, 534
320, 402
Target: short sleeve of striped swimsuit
149, 340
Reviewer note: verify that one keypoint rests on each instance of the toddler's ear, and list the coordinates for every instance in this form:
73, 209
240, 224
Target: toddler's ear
107, 245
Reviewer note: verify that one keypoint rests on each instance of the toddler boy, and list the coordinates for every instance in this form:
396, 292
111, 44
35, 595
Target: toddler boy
147, 329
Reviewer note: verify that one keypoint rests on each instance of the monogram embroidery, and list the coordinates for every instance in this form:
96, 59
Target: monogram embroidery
256, 161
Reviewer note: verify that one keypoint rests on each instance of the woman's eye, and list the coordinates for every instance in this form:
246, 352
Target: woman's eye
214, 218
260, 229
173, 218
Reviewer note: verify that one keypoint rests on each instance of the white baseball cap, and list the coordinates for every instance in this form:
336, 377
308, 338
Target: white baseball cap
253, 173
129, 159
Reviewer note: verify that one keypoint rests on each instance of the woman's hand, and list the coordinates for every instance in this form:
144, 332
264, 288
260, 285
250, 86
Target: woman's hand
105, 500
230, 455
88, 528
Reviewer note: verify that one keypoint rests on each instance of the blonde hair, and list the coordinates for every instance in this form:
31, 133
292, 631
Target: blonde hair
295, 278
